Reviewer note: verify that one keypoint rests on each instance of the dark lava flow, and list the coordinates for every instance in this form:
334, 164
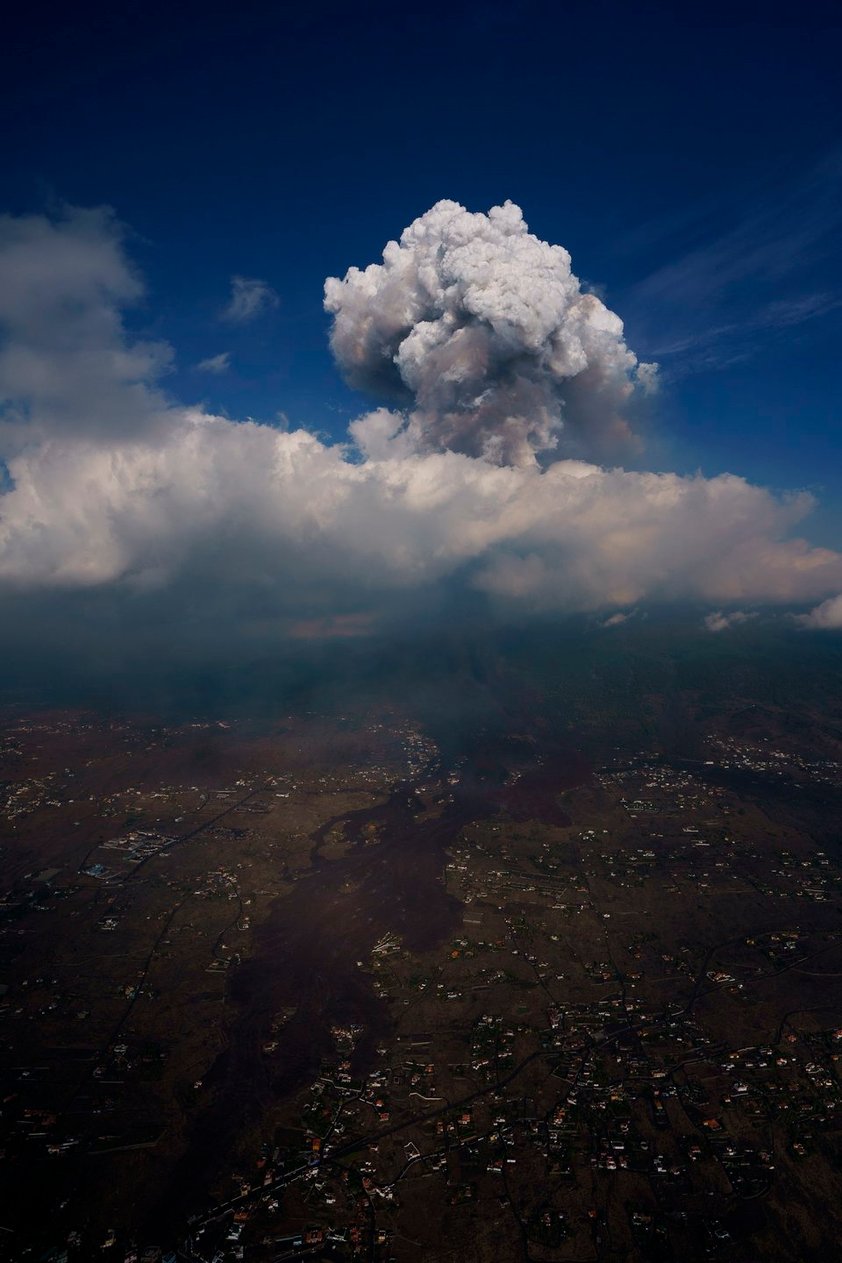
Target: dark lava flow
306, 952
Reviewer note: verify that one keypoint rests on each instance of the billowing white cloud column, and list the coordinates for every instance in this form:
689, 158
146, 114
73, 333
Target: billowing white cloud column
484, 331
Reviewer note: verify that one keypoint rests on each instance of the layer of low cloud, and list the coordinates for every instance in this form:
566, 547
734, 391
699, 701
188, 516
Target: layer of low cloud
235, 500
117, 489
825, 617
719, 620
250, 298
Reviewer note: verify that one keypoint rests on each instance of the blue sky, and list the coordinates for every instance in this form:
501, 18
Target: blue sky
689, 157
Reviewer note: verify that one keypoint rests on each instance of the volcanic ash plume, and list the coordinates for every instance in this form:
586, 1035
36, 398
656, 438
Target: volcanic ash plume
484, 334
107, 486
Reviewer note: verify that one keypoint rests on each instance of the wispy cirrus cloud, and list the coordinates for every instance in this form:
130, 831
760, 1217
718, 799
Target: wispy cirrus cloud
774, 268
